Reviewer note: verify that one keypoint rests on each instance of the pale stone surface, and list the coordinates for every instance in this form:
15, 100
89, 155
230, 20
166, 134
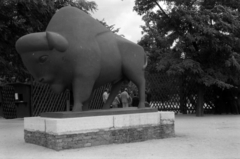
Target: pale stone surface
167, 115
34, 124
167, 118
133, 120
80, 125
121, 121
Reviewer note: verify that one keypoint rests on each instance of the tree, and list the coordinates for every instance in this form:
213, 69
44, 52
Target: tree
198, 38
21, 17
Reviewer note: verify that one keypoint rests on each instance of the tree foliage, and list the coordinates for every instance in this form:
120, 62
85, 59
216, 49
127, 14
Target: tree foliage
200, 38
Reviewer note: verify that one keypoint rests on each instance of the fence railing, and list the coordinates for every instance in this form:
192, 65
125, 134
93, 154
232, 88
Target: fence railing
45, 100
169, 93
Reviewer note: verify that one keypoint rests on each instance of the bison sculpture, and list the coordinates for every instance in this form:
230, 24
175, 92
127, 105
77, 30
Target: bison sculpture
76, 52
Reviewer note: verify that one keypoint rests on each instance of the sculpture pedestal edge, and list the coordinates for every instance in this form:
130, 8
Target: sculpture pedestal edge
69, 133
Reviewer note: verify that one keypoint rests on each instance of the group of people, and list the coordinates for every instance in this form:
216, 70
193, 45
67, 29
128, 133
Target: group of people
124, 99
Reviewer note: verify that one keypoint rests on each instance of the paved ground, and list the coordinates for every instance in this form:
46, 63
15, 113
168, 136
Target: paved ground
208, 137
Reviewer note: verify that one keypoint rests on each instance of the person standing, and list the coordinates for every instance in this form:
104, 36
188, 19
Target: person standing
105, 95
119, 98
116, 102
135, 100
148, 96
130, 99
124, 98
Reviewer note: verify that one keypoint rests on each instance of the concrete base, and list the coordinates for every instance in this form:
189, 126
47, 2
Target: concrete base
68, 133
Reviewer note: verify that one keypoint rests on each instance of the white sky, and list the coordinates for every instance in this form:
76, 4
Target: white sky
120, 13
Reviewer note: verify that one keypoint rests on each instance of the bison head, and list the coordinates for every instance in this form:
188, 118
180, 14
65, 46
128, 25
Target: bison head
43, 55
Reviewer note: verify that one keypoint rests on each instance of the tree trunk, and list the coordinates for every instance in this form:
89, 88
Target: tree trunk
238, 103
200, 101
183, 108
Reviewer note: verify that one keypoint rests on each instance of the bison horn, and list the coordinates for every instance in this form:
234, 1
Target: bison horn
57, 41
41, 42
32, 42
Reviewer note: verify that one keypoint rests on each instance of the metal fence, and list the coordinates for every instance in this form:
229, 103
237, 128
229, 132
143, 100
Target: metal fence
176, 93
8, 102
45, 100
169, 93
97, 99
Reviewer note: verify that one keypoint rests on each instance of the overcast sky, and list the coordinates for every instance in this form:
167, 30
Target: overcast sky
120, 13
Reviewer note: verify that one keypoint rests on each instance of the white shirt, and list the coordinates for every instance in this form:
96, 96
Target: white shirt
105, 96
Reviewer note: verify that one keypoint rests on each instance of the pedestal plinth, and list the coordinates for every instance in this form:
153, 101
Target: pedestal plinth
67, 130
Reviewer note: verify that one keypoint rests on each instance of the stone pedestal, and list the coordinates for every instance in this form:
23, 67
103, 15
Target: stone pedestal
59, 132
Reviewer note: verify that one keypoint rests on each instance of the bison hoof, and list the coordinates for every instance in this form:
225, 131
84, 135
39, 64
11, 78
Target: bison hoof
141, 105
77, 108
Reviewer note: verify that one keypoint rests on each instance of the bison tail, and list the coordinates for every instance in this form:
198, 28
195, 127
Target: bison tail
145, 61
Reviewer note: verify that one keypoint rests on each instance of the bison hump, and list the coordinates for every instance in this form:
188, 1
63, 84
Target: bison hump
71, 21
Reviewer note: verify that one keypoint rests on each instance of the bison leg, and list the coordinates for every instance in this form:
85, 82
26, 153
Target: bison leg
132, 66
138, 79
86, 104
82, 90
141, 89
114, 91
